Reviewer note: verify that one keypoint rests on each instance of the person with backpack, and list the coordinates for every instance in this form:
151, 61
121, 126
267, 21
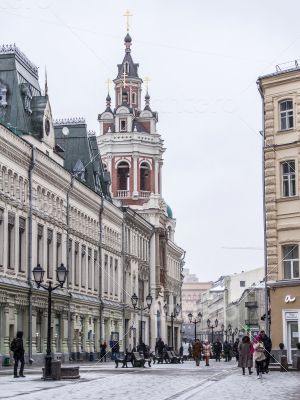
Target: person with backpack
17, 348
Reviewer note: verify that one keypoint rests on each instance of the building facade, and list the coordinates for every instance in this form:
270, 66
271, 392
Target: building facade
132, 151
56, 207
281, 127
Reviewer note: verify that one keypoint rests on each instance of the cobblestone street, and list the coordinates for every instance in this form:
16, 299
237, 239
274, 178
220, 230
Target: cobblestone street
164, 382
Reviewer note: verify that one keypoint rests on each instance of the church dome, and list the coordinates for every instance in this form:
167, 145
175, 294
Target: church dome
127, 38
169, 212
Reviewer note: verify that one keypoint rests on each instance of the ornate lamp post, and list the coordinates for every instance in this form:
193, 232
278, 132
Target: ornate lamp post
195, 322
173, 315
134, 301
61, 276
212, 327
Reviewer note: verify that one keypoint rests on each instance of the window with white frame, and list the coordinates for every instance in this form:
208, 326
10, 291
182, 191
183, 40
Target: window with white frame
288, 178
291, 261
286, 114
105, 274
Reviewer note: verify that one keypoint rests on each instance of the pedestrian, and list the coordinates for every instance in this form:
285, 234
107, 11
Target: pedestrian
259, 355
217, 349
190, 356
227, 351
17, 348
103, 347
268, 348
115, 350
197, 350
207, 352
245, 355
185, 349
159, 348
235, 349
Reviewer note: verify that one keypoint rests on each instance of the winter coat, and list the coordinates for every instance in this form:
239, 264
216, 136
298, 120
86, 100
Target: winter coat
259, 352
227, 347
207, 350
218, 347
19, 348
267, 343
197, 350
245, 355
185, 349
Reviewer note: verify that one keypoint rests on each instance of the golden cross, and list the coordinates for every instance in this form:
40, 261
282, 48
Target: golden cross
108, 82
147, 80
127, 15
124, 78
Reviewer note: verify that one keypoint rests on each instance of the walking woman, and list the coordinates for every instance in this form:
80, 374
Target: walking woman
259, 355
207, 352
245, 355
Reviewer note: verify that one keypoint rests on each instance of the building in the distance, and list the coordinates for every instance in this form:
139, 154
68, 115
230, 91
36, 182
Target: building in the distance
280, 93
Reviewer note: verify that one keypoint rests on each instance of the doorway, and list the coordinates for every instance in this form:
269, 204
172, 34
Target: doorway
293, 338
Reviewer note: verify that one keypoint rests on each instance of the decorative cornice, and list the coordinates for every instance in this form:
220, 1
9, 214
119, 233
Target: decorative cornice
68, 121
13, 49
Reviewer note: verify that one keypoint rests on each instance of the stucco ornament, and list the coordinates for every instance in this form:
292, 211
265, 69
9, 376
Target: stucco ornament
289, 299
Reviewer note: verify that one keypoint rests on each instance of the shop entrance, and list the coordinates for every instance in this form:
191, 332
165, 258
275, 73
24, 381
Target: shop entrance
293, 337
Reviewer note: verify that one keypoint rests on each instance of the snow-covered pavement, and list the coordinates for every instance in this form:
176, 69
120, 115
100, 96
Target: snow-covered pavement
161, 382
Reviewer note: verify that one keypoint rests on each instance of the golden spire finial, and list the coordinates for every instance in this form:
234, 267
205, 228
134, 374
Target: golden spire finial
147, 80
124, 78
108, 82
127, 15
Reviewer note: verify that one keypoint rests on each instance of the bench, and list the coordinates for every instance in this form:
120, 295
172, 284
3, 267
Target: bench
178, 359
159, 358
170, 359
138, 360
128, 358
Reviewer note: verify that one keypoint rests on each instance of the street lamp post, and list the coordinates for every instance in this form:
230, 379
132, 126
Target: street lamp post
212, 327
173, 315
134, 301
61, 275
195, 322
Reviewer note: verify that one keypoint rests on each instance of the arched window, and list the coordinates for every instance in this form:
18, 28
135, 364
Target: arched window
126, 67
144, 177
133, 98
286, 114
123, 176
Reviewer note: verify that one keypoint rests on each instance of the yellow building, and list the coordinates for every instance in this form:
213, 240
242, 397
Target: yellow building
280, 94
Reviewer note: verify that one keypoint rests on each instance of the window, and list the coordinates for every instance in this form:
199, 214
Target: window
89, 268
22, 259
126, 67
70, 262
286, 114
111, 276
242, 283
288, 178
144, 177
133, 98
291, 262
83, 266
10, 241
40, 235
49, 253
105, 273
58, 249
96, 272
123, 125
76, 264
116, 277
123, 176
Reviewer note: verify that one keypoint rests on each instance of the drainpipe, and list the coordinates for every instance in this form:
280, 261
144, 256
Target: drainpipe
100, 271
262, 132
29, 276
68, 268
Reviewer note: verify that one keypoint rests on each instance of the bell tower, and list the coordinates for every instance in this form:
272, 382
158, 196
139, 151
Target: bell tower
130, 146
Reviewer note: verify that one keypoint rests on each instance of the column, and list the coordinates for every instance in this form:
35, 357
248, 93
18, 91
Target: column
156, 182
64, 332
135, 175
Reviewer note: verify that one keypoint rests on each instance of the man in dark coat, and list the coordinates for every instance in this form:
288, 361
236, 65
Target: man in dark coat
268, 347
227, 350
160, 347
236, 349
17, 348
217, 349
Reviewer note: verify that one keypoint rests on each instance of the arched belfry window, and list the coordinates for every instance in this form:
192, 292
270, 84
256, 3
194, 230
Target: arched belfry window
123, 175
126, 67
144, 177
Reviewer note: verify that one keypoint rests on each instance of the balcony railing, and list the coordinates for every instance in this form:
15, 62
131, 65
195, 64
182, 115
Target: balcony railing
251, 304
144, 193
122, 193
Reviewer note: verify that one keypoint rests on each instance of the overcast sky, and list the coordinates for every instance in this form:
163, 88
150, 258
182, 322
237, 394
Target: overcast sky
203, 59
